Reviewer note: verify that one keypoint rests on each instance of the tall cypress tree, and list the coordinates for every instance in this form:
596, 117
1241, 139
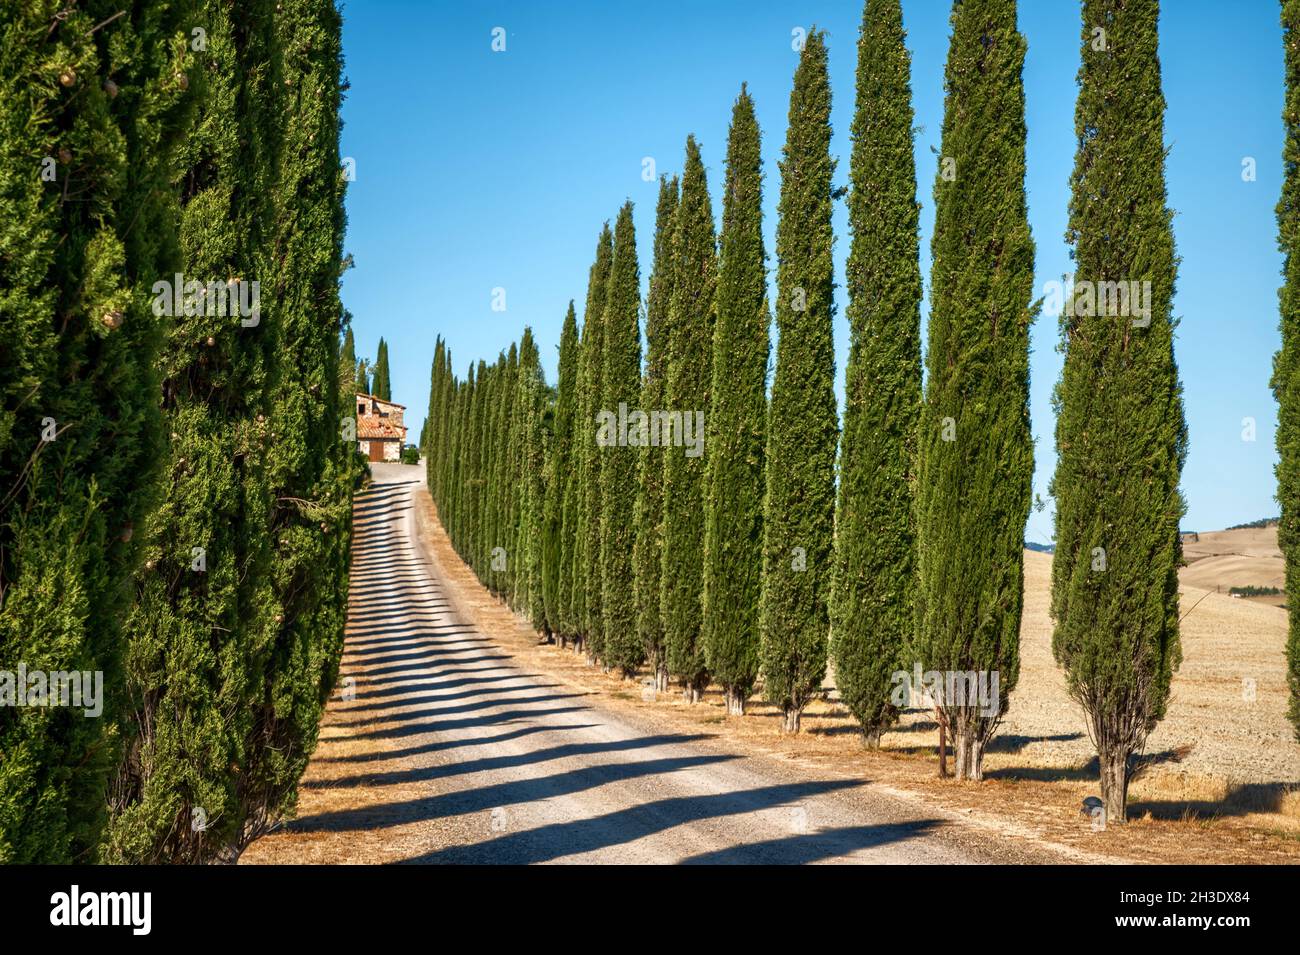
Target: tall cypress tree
620, 390
586, 572
92, 109
382, 385
557, 552
686, 393
363, 378
976, 453
800, 504
648, 552
347, 358
733, 504
311, 465
530, 457
875, 534
1286, 366
206, 606
428, 434
1120, 434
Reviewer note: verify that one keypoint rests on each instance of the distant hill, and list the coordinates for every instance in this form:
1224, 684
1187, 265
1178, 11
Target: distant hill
1246, 558
1040, 548
1262, 522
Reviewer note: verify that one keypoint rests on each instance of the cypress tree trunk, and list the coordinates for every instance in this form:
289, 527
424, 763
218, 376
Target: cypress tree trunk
875, 533
976, 453
733, 505
557, 560
621, 387
80, 432
586, 574
800, 504
648, 554
1120, 433
1286, 366
686, 394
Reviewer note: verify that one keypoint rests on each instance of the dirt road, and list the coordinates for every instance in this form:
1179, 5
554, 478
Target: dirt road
440, 748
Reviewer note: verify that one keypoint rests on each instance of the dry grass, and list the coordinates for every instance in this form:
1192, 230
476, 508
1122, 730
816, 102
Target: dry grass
1219, 780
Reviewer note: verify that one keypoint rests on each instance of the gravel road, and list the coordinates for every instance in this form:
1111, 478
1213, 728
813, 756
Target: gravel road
440, 748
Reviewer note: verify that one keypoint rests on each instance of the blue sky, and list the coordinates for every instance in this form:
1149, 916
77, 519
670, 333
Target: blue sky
479, 170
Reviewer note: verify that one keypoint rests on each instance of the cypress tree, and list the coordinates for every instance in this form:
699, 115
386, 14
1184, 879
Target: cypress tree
363, 378
647, 555
347, 359
429, 431
800, 504
1286, 365
976, 453
1120, 433
586, 572
310, 461
206, 603
557, 553
733, 505
686, 393
91, 115
382, 384
620, 390
529, 438
875, 534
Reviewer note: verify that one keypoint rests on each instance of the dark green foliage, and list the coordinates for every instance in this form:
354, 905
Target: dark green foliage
799, 509
363, 378
733, 504
78, 255
875, 534
530, 443
557, 549
232, 655
1120, 433
620, 389
647, 555
686, 392
381, 383
586, 557
1286, 366
347, 360
976, 453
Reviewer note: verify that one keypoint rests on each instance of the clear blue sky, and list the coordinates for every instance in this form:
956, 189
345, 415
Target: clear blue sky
478, 170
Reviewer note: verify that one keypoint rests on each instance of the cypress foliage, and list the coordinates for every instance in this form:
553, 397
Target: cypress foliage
976, 453
620, 390
557, 552
381, 383
800, 504
529, 439
429, 431
586, 573
686, 392
363, 378
647, 557
347, 358
102, 109
311, 461
1286, 365
206, 604
875, 534
1120, 432
733, 505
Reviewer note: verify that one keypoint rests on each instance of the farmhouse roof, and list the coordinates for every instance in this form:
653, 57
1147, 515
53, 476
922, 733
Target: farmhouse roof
362, 394
372, 427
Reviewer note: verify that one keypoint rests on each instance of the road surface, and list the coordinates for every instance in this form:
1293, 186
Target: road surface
440, 748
